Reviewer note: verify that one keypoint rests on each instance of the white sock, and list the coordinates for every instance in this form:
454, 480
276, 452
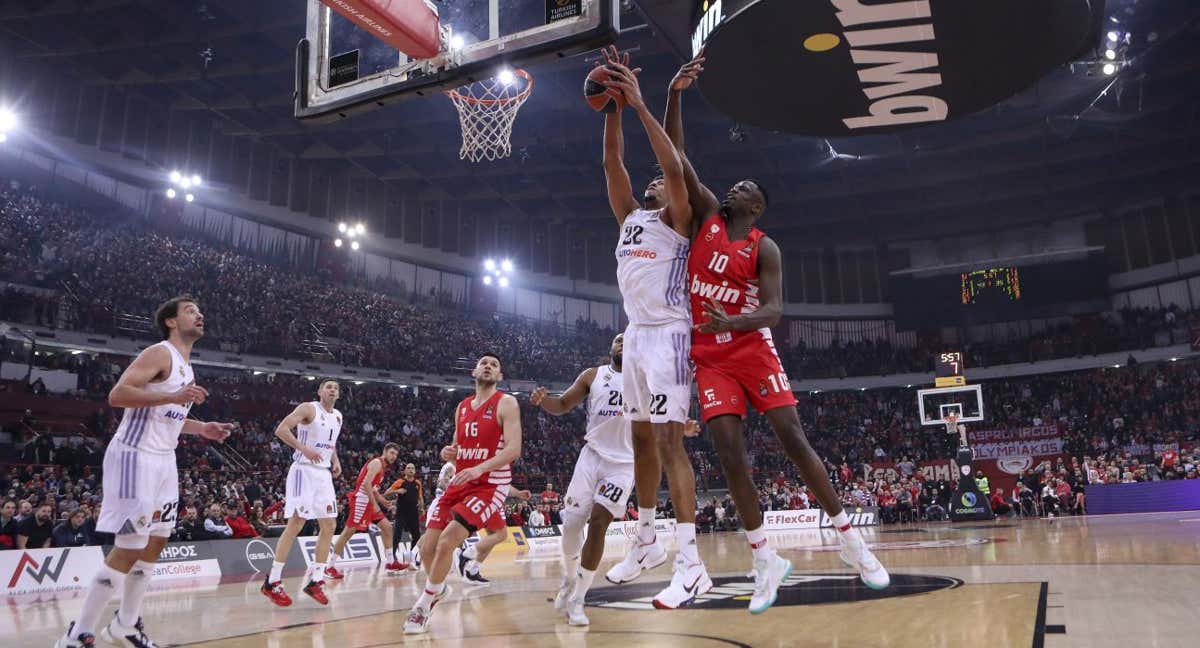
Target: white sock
685, 536
645, 525
841, 522
318, 573
106, 583
136, 582
428, 594
758, 543
583, 583
470, 553
276, 572
332, 558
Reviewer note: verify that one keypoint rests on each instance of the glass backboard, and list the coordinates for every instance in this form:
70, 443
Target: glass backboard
966, 401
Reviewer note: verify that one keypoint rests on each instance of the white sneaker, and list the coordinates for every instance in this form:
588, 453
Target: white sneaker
638, 559
418, 618
574, 612
126, 636
564, 594
768, 574
859, 556
71, 640
688, 582
458, 563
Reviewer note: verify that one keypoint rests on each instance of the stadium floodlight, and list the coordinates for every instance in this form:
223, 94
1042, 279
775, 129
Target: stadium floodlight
403, 386
457, 43
507, 265
3, 137
170, 193
506, 76
342, 227
353, 245
186, 183
503, 282
1110, 54
189, 197
1113, 36
487, 280
195, 180
8, 120
176, 177
360, 228
489, 265
1109, 69
337, 242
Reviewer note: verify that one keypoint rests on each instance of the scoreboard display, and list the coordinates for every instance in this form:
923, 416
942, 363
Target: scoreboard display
949, 371
999, 293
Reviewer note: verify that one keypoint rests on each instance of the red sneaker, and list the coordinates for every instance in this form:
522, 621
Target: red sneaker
317, 592
332, 572
275, 592
395, 567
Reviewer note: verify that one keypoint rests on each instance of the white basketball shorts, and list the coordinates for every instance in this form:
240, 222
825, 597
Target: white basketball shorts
658, 372
141, 492
598, 481
310, 493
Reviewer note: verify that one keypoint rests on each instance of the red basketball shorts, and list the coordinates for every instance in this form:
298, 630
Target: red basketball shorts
749, 372
362, 511
481, 506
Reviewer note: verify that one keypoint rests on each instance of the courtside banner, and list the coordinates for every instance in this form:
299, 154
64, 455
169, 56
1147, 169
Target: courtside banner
185, 560
253, 555
817, 519
34, 572
361, 550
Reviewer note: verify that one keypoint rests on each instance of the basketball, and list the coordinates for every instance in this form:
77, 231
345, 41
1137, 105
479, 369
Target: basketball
599, 96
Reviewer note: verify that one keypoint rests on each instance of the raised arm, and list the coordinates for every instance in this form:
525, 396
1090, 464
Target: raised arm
559, 405
620, 188
679, 213
130, 391
770, 297
702, 201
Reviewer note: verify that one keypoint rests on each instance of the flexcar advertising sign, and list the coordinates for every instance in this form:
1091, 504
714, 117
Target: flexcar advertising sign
844, 67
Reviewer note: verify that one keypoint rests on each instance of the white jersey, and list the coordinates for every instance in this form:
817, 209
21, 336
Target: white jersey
157, 429
609, 433
652, 270
322, 434
444, 477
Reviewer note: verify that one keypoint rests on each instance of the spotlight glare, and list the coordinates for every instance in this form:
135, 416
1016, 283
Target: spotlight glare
456, 43
196, 180
503, 282
337, 242
186, 183
1110, 54
1113, 36
353, 245
342, 227
3, 137
489, 265
360, 228
189, 197
487, 280
175, 177
8, 119
507, 265
506, 76
170, 193
1109, 69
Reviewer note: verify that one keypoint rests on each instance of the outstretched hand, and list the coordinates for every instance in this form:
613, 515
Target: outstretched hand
623, 78
688, 74
537, 396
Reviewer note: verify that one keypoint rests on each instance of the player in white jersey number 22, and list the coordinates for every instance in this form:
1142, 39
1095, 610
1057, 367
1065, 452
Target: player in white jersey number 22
141, 482
652, 252
309, 494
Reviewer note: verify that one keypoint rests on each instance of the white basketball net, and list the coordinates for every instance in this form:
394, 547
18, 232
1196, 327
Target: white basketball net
486, 112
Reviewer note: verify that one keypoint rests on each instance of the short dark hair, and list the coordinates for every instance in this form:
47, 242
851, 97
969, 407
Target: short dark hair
168, 310
328, 380
389, 445
490, 355
762, 189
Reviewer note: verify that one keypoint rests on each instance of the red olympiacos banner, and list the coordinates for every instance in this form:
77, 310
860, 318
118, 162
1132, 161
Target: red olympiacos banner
1033, 441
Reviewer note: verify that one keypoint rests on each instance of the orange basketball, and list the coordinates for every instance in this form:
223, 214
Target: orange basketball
599, 95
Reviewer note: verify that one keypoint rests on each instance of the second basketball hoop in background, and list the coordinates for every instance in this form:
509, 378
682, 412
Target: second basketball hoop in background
486, 111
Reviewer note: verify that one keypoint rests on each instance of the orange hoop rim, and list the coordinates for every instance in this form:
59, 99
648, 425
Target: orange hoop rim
524, 94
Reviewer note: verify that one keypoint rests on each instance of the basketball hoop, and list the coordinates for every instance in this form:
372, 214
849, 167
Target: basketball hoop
951, 421
486, 112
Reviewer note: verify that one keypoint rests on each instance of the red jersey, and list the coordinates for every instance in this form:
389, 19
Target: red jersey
726, 271
479, 437
362, 476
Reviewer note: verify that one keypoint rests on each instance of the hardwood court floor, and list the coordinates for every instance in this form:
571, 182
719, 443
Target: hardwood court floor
1111, 581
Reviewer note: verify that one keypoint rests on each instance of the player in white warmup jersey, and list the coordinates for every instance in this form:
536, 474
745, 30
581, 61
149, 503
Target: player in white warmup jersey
602, 480
141, 483
309, 494
652, 254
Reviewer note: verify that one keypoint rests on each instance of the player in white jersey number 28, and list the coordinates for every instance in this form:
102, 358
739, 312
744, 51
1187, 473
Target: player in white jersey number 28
652, 251
141, 482
309, 494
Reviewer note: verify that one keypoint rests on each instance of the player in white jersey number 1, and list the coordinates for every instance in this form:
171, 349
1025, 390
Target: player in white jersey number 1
652, 252
141, 482
309, 494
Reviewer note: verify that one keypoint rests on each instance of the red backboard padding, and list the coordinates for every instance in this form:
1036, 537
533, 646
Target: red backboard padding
410, 26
